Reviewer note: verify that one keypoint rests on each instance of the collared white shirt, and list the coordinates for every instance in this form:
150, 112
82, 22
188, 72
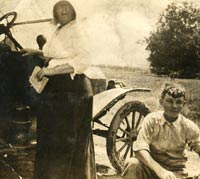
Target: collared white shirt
167, 141
67, 45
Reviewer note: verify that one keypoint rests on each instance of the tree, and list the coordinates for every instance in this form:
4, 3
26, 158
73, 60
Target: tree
175, 45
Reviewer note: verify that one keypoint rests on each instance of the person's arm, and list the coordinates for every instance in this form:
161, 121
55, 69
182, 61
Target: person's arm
78, 54
193, 137
39, 53
195, 146
29, 51
57, 70
145, 157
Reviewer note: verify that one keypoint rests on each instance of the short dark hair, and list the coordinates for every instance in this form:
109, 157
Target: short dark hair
173, 89
68, 4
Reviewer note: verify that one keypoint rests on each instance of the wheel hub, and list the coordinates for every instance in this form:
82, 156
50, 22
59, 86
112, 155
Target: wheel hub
133, 135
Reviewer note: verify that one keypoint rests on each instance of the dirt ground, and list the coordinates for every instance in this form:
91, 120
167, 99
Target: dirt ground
104, 167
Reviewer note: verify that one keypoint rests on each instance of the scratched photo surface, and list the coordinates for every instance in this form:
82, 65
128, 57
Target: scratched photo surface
124, 88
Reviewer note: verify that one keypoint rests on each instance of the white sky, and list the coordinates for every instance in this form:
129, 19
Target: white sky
114, 27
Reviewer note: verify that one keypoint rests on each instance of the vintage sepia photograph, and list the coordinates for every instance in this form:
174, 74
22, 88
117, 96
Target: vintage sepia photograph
99, 89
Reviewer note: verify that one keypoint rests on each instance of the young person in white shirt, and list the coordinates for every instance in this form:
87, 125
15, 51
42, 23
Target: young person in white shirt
162, 140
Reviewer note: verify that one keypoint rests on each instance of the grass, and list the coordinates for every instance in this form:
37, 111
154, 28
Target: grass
143, 78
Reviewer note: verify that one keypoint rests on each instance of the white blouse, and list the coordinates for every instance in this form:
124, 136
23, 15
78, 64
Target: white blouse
67, 46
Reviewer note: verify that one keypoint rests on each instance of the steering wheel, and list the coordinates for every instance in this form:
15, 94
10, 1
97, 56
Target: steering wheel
13, 16
4, 29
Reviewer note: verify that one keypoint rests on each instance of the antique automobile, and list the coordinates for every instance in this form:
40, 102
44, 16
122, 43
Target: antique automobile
17, 110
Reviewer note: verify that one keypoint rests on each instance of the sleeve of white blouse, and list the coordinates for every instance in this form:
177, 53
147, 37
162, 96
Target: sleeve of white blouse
58, 51
82, 60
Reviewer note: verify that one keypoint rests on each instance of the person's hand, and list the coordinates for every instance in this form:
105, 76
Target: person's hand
195, 146
167, 175
41, 74
28, 51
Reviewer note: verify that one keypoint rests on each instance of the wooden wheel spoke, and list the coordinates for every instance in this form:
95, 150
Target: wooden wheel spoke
126, 132
123, 146
133, 119
131, 153
138, 121
126, 152
128, 125
121, 139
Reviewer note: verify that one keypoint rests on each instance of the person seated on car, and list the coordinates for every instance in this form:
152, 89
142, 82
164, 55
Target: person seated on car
162, 140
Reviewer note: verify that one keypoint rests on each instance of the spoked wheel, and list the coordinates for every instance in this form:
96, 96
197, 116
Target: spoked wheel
10, 19
123, 132
7, 22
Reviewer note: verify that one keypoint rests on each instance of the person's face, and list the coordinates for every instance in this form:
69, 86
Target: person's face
64, 13
172, 106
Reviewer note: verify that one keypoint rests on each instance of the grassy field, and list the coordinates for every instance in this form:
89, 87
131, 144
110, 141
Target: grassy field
143, 78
